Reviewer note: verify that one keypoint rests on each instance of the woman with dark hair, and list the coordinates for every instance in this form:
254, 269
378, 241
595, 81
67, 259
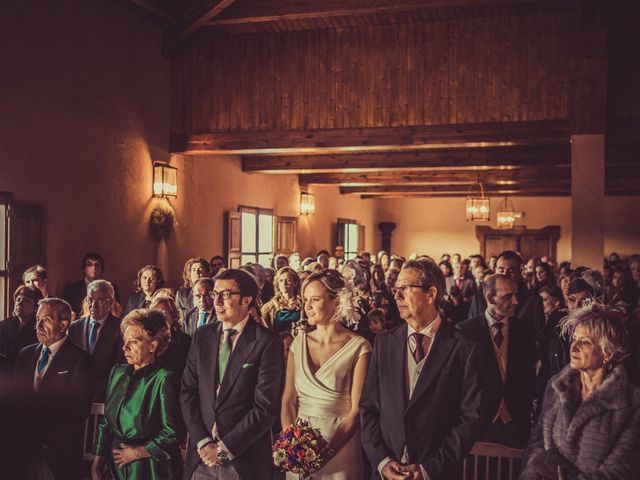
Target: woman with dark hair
590, 420
195, 269
139, 435
620, 291
325, 375
148, 280
543, 276
174, 358
19, 330
283, 310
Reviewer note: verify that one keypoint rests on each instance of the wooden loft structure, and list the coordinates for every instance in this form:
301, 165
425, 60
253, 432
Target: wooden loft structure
396, 98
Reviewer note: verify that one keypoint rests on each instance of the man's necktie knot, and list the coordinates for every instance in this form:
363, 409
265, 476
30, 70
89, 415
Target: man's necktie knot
498, 338
418, 348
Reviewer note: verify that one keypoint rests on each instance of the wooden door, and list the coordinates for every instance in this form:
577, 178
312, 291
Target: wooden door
232, 238
529, 243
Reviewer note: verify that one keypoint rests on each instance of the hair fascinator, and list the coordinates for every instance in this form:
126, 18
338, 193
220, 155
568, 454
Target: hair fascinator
153, 322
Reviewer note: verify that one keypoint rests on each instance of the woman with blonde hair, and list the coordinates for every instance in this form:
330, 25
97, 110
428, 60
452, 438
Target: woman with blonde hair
283, 310
175, 357
590, 420
139, 435
326, 369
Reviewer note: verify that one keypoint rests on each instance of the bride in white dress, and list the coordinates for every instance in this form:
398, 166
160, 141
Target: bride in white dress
325, 375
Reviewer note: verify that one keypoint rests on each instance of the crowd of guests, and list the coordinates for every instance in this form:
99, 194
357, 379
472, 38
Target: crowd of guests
402, 364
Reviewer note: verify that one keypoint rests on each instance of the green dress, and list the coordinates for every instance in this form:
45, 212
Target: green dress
142, 408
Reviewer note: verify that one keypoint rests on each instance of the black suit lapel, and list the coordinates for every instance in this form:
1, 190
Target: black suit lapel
59, 363
398, 363
438, 355
245, 345
209, 357
106, 333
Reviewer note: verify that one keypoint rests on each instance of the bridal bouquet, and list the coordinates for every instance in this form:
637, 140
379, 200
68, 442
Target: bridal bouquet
299, 448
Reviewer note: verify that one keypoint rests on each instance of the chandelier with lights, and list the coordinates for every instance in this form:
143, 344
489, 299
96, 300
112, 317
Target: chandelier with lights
477, 204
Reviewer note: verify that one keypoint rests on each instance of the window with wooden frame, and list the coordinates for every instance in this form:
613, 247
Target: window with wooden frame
350, 236
256, 235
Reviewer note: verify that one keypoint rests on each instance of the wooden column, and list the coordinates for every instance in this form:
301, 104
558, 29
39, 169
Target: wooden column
587, 201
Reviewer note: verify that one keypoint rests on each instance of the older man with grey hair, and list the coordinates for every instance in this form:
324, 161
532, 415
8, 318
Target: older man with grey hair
99, 333
59, 377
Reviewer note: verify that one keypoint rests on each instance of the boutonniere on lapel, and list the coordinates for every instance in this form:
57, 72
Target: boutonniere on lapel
248, 365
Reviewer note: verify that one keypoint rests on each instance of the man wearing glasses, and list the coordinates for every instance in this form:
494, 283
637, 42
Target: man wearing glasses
99, 334
202, 313
232, 387
425, 398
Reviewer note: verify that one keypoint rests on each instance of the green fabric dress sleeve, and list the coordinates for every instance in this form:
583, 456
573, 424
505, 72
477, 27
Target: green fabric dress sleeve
104, 436
164, 443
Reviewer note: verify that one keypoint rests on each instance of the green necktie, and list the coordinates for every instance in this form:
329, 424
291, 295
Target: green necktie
225, 352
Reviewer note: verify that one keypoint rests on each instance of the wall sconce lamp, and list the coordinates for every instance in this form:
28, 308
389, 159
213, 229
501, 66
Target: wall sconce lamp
165, 180
477, 204
307, 203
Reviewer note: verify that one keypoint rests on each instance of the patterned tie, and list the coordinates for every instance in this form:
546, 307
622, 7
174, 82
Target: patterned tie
418, 350
225, 352
44, 359
203, 319
93, 334
498, 338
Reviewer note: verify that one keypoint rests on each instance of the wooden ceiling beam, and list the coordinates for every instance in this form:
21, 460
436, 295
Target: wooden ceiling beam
353, 140
471, 158
267, 11
462, 190
198, 17
427, 177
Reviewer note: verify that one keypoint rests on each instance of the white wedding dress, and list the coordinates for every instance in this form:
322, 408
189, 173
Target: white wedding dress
324, 398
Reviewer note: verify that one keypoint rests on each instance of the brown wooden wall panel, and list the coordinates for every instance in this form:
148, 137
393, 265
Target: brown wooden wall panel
446, 71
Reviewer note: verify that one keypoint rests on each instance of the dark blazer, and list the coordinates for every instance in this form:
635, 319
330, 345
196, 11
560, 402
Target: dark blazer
184, 300
529, 309
518, 389
136, 300
13, 338
174, 358
107, 352
191, 321
247, 404
75, 292
467, 286
450, 406
64, 396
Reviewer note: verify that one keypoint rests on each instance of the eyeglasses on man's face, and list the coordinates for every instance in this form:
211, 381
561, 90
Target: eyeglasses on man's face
225, 294
404, 289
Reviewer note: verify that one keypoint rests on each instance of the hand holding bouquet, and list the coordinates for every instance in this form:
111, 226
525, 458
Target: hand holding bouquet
299, 449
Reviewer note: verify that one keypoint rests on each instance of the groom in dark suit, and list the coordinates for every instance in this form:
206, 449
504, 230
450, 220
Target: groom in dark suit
232, 388
425, 399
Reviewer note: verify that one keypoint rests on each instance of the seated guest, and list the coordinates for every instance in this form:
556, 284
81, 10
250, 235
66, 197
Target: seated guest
36, 276
447, 271
323, 258
202, 313
579, 292
18, 331
283, 310
175, 357
543, 276
149, 279
217, 263
590, 418
139, 435
376, 323
61, 374
280, 261
92, 269
509, 360
99, 334
621, 291
463, 281
194, 269
454, 308
267, 289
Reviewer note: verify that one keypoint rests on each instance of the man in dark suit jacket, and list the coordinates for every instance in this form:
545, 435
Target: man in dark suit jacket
92, 269
202, 313
99, 334
529, 308
18, 331
61, 375
232, 388
425, 399
509, 360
